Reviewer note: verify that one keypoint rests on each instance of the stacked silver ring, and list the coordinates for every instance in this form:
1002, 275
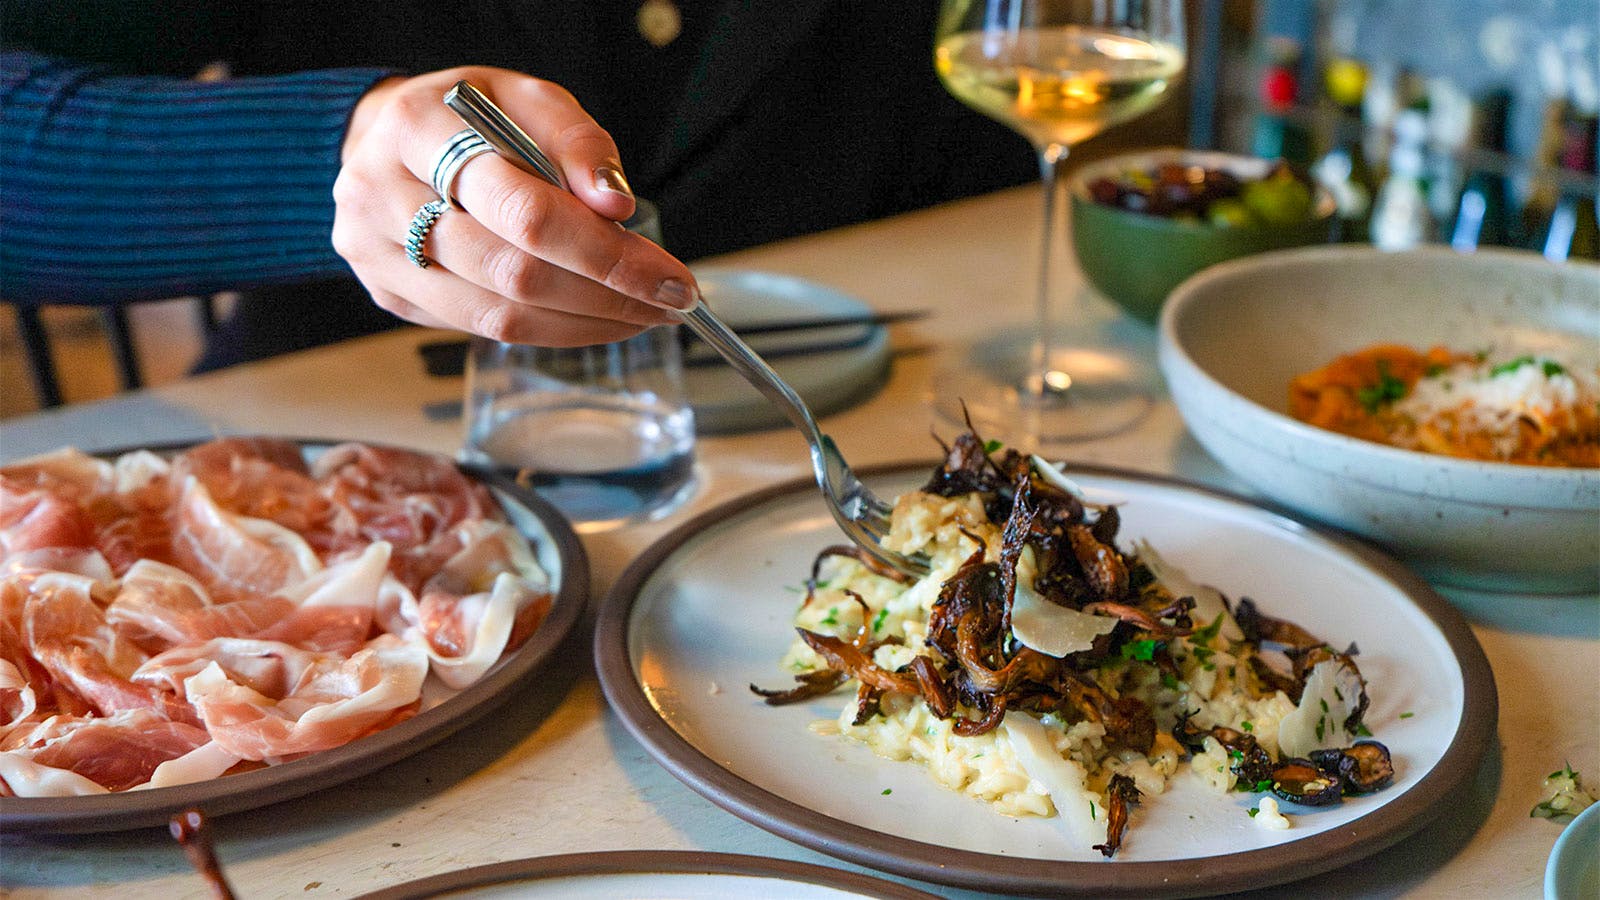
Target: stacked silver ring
421, 224
462, 146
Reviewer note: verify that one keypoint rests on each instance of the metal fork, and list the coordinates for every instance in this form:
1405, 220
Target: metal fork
860, 513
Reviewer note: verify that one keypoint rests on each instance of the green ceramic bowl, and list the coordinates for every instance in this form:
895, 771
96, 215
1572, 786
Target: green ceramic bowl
1136, 259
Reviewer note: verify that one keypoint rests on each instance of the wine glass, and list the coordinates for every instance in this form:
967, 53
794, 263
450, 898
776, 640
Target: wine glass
1057, 72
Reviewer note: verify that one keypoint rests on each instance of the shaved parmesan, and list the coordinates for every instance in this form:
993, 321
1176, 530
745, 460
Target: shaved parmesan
1332, 693
1208, 602
1048, 471
1063, 779
1048, 627
1052, 629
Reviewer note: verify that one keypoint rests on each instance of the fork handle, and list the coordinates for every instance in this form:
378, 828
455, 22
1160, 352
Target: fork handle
749, 364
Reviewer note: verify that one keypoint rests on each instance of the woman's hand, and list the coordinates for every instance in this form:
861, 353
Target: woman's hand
523, 261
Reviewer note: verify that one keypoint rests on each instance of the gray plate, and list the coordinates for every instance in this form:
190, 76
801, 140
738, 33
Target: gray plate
558, 551
705, 611
725, 403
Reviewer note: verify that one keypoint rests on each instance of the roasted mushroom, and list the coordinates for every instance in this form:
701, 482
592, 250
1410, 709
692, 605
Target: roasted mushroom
1300, 781
1121, 793
1361, 769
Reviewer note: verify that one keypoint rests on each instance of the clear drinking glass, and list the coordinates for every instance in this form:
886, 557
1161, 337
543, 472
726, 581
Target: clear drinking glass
605, 433
1057, 72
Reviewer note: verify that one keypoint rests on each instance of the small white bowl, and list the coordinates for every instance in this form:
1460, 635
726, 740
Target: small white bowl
1233, 336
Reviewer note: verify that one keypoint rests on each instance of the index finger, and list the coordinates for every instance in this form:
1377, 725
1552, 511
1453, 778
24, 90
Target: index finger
573, 231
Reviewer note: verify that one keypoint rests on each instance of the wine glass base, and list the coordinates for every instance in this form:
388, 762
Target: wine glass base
1085, 392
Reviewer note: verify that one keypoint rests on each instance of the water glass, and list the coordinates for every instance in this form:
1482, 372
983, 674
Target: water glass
605, 432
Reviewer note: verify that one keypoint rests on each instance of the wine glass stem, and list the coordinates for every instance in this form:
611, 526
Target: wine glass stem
1040, 379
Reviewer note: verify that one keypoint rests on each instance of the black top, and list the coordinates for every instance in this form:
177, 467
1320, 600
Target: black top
758, 121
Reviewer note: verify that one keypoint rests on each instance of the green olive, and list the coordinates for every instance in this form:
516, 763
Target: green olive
1229, 213
1280, 199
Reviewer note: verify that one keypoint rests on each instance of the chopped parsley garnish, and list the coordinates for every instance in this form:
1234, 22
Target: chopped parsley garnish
1549, 367
1093, 814
1386, 391
1169, 681
1253, 811
1264, 784
878, 620
1434, 370
1407, 715
991, 446
1143, 651
832, 618
1508, 367
1203, 636
1247, 725
888, 791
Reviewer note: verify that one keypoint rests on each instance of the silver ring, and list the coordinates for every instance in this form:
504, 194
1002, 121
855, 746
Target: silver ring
447, 163
421, 224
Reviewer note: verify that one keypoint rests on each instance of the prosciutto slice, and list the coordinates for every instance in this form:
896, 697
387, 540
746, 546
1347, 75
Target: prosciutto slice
486, 598
161, 606
65, 631
234, 553
334, 701
115, 752
410, 501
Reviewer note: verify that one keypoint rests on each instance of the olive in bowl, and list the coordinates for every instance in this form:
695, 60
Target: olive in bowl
1144, 222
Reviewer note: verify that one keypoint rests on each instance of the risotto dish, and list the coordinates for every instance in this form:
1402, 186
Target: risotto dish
1045, 669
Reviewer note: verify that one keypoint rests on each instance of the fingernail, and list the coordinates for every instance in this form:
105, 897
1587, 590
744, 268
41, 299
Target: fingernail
677, 293
607, 178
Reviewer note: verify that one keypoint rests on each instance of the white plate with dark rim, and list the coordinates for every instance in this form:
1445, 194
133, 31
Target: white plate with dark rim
652, 873
705, 612
556, 548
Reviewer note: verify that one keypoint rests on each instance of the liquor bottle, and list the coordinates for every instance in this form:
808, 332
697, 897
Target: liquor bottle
1449, 127
1400, 215
1544, 192
1481, 215
1344, 169
1572, 231
1279, 131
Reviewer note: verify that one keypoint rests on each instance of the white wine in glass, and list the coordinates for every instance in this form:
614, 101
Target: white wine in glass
1057, 72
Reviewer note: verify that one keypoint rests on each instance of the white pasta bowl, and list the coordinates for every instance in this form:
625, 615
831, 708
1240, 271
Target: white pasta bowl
1233, 336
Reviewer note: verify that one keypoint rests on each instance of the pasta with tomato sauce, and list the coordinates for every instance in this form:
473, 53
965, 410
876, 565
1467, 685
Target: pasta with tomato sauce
1528, 409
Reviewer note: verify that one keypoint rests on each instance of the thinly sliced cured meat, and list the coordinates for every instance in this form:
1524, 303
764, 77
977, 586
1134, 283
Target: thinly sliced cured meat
17, 698
337, 700
335, 607
269, 668
37, 518
22, 776
231, 553
163, 622
68, 471
468, 612
161, 606
256, 477
411, 501
65, 631
115, 752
